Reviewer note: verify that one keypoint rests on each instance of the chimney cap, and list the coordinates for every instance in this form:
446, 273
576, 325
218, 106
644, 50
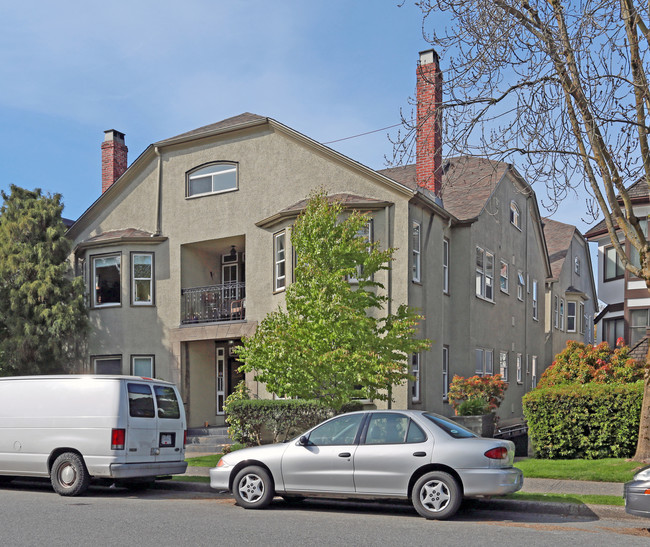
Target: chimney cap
112, 135
429, 56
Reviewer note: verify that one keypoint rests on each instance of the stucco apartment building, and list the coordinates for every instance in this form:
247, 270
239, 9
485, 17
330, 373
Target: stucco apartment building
188, 249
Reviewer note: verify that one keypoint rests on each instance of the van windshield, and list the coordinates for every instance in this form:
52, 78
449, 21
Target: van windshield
140, 401
167, 402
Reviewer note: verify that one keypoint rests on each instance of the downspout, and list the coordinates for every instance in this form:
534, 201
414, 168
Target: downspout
158, 192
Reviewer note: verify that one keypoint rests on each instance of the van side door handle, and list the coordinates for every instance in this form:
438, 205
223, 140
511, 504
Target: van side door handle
344, 455
419, 454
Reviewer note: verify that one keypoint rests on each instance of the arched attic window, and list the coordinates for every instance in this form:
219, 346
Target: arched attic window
213, 178
515, 216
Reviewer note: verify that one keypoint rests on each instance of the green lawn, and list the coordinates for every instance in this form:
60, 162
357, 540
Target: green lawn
204, 461
606, 470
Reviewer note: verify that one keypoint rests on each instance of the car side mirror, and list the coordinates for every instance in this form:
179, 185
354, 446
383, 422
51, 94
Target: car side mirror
303, 440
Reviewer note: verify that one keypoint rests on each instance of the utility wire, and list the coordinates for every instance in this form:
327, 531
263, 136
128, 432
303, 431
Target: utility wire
362, 134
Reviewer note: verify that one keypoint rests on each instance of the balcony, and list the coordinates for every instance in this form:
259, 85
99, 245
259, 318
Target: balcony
214, 303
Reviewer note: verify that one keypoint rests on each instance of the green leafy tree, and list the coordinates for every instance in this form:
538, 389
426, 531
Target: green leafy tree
42, 312
334, 342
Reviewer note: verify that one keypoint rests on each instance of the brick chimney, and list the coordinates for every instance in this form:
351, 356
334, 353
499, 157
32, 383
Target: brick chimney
429, 122
113, 157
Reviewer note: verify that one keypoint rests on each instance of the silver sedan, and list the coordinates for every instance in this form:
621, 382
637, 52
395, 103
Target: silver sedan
402, 454
637, 494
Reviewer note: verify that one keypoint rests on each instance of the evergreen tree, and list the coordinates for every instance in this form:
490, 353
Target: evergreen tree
335, 341
42, 312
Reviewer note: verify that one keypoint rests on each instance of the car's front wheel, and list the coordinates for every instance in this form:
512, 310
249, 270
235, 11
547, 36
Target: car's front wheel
253, 488
436, 495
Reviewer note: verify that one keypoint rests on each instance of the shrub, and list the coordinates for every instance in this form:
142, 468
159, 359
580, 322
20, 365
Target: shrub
584, 421
582, 364
487, 389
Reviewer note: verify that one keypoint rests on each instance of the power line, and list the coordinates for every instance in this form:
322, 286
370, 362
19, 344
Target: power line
362, 134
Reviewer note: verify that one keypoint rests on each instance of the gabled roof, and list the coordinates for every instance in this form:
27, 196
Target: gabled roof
247, 118
558, 240
467, 183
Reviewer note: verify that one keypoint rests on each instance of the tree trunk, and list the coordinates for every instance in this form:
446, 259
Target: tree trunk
643, 444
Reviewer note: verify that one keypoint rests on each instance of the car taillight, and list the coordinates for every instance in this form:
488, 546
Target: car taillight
184, 438
498, 453
118, 437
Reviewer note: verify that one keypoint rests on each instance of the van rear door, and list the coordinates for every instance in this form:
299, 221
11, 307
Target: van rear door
142, 432
171, 423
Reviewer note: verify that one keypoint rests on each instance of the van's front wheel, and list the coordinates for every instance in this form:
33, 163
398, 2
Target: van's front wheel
69, 475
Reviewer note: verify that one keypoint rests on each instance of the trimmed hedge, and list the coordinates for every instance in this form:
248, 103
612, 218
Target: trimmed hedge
589, 421
253, 421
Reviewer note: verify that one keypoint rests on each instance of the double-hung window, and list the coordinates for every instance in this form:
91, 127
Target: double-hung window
519, 368
562, 314
212, 179
106, 280
534, 375
416, 243
613, 265
515, 216
535, 300
142, 279
484, 362
445, 372
520, 285
503, 365
484, 274
503, 277
415, 371
279, 261
571, 317
556, 311
445, 266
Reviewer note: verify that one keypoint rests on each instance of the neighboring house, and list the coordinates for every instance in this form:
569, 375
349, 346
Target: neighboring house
188, 249
626, 298
571, 298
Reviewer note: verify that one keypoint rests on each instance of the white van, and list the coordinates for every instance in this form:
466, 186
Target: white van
73, 428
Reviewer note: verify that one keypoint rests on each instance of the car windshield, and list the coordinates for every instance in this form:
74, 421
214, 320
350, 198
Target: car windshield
450, 427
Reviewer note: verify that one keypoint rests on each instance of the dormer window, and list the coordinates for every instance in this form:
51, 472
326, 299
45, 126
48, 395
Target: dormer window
214, 178
515, 217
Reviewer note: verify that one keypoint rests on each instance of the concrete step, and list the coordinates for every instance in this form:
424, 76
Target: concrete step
207, 440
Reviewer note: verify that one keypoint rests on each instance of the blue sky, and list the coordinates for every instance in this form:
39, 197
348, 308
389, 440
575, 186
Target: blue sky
153, 69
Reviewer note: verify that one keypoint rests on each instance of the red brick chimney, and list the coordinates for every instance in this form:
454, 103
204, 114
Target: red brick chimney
429, 122
113, 157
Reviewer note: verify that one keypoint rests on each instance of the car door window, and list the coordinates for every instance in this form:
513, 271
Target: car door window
140, 401
387, 429
415, 434
341, 430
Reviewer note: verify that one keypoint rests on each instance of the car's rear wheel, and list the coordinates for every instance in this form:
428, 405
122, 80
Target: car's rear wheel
253, 488
69, 475
436, 495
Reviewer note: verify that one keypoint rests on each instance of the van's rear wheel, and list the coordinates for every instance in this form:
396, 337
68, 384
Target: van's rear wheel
69, 475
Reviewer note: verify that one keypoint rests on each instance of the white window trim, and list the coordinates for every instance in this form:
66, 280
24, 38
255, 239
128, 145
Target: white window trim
234, 167
562, 314
515, 215
556, 311
151, 360
417, 248
94, 281
487, 356
445, 373
506, 277
534, 375
279, 281
521, 285
503, 365
535, 300
573, 316
519, 368
134, 302
485, 274
445, 265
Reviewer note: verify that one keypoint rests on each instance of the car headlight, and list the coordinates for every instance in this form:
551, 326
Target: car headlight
643, 475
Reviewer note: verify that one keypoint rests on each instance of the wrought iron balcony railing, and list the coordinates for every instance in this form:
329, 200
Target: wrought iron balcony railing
225, 302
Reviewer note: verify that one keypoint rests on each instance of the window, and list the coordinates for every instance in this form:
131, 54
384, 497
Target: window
613, 330
142, 365
638, 324
576, 265
520, 285
388, 428
534, 384
366, 233
535, 303
613, 266
634, 253
106, 275
140, 401
556, 311
503, 365
503, 276
561, 313
416, 251
445, 266
415, 371
571, 316
142, 279
279, 262
519, 371
445, 372
168, 406
582, 318
515, 217
339, 431
484, 362
110, 364
212, 179
484, 274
